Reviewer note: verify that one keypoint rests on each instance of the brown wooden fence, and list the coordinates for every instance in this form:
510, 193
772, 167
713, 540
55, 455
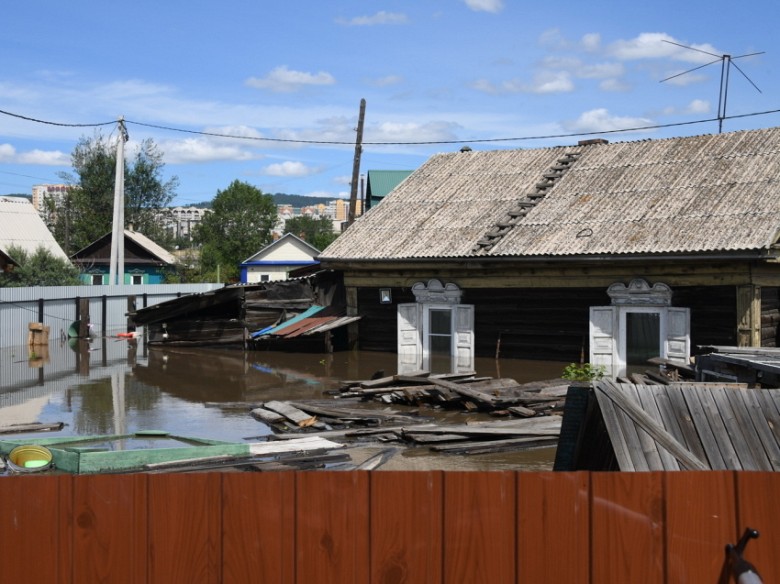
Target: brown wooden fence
385, 527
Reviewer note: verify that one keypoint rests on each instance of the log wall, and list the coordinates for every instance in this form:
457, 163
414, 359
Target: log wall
386, 527
549, 324
770, 316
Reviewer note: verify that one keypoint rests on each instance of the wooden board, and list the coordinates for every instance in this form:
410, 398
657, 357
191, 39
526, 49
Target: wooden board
699, 526
332, 527
479, 527
553, 515
111, 533
406, 527
185, 528
258, 527
763, 514
627, 519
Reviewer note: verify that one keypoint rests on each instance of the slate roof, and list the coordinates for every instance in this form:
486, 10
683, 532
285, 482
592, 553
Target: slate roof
709, 193
21, 225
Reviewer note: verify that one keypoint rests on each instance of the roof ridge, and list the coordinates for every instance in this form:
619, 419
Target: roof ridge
525, 204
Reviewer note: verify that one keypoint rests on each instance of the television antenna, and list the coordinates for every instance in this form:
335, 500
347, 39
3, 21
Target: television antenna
726, 63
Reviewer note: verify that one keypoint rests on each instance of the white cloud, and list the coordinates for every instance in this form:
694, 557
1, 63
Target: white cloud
545, 82
658, 45
600, 120
9, 155
44, 158
614, 85
289, 168
698, 106
285, 80
387, 81
202, 149
493, 6
591, 42
380, 17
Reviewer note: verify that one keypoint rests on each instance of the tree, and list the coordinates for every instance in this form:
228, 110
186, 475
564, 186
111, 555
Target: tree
316, 232
239, 226
88, 209
39, 269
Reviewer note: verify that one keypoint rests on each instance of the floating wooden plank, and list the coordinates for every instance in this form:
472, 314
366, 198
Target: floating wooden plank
490, 446
267, 416
472, 394
291, 413
34, 427
304, 444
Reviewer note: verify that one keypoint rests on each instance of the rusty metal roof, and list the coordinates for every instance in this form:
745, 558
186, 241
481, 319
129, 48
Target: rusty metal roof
316, 319
708, 193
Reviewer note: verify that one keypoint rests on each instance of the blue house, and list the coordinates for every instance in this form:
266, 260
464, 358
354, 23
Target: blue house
145, 261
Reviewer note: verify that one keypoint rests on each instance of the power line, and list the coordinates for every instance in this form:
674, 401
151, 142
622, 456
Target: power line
410, 143
29, 119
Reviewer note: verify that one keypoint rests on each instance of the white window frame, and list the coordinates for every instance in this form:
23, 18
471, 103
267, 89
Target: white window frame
414, 324
608, 325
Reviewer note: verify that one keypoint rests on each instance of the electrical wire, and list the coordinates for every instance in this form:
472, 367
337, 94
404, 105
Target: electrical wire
411, 143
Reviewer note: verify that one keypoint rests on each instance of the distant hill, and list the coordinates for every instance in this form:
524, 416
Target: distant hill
296, 201
299, 200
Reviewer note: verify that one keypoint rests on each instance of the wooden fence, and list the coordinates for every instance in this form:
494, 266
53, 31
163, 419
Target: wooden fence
385, 527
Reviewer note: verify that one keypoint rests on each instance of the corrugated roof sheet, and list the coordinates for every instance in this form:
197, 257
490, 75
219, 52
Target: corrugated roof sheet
381, 182
316, 319
21, 225
709, 193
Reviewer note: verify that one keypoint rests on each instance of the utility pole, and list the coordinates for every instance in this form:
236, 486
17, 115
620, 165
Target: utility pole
116, 270
356, 164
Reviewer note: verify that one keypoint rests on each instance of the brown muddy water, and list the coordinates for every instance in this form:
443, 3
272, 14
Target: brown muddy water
117, 387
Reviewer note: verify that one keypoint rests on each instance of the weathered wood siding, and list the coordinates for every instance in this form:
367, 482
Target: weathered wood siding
426, 527
546, 323
770, 316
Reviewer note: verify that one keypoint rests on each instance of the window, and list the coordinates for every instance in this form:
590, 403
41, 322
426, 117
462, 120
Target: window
136, 279
97, 279
640, 324
265, 277
436, 333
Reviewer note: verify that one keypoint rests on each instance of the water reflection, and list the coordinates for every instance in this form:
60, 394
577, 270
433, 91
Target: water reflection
111, 387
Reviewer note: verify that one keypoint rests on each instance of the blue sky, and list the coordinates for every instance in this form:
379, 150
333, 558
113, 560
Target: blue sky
288, 77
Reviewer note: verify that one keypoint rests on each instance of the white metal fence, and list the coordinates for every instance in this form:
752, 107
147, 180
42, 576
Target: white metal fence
58, 307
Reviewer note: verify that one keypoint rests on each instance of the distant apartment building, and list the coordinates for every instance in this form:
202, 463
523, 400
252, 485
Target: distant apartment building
42, 193
181, 221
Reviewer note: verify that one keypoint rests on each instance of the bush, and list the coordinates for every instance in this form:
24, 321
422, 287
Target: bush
584, 372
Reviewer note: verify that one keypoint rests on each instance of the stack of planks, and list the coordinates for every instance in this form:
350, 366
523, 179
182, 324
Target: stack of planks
528, 413
463, 391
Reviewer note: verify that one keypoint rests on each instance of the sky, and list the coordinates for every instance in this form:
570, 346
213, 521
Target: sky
269, 93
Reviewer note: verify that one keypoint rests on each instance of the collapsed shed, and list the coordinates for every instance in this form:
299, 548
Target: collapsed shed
229, 315
680, 426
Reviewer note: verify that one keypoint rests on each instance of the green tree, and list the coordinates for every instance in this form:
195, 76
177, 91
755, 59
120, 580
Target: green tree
40, 268
239, 226
88, 210
316, 232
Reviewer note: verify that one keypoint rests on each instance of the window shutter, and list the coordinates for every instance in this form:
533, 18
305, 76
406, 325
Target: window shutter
464, 338
409, 342
602, 338
678, 340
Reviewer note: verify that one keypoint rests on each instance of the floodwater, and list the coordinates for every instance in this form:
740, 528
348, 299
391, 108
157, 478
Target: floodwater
116, 386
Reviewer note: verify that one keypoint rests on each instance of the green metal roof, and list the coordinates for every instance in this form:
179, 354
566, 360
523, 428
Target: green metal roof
381, 182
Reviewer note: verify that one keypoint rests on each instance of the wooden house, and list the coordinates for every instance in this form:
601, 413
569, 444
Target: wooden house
276, 260
599, 252
145, 261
